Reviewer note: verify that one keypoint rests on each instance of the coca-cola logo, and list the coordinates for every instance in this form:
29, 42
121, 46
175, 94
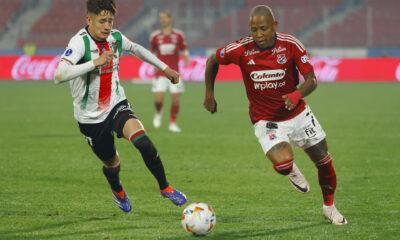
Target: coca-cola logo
267, 75
194, 71
34, 68
398, 73
326, 69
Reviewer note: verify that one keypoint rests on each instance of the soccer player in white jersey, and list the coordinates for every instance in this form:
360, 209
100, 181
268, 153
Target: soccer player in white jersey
167, 43
90, 64
270, 62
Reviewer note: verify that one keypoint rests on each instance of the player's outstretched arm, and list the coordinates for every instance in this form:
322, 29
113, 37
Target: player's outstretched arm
309, 85
212, 67
172, 75
145, 55
67, 71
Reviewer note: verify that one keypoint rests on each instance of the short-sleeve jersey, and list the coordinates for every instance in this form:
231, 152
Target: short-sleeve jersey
268, 74
96, 92
167, 47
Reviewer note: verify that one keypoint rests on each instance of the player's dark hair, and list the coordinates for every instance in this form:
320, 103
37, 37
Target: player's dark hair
97, 6
166, 12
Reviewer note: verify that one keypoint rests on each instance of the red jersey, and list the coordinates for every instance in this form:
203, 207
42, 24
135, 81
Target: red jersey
168, 47
268, 74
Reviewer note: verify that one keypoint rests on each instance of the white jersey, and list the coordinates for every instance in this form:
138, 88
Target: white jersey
95, 93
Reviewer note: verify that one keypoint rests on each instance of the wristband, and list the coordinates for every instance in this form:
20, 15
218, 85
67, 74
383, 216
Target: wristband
294, 97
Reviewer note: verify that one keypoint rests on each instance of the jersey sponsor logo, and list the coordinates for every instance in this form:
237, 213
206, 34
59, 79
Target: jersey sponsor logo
267, 75
167, 49
251, 62
268, 85
281, 59
95, 50
222, 53
278, 50
304, 59
68, 52
251, 52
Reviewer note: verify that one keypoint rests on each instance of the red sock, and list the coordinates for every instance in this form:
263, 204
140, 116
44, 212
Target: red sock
327, 179
285, 167
158, 106
174, 112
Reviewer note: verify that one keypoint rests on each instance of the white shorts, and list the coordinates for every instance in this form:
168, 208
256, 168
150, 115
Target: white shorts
302, 131
160, 84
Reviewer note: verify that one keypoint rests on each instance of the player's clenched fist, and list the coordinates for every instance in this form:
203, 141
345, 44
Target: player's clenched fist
172, 75
106, 57
210, 104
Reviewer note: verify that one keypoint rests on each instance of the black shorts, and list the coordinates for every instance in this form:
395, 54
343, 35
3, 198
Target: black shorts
100, 136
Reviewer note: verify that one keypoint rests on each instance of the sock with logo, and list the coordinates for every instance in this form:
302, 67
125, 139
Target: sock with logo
150, 156
285, 167
327, 179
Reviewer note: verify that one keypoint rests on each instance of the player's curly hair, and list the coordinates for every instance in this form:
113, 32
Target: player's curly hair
96, 6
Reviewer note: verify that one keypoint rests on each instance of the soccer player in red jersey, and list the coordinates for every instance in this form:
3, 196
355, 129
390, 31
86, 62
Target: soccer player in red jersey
167, 43
269, 62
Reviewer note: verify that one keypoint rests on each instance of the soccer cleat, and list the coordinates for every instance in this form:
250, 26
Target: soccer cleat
333, 215
173, 127
123, 202
298, 181
174, 195
157, 120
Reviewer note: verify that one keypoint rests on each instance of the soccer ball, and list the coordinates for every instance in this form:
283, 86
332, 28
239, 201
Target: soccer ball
198, 219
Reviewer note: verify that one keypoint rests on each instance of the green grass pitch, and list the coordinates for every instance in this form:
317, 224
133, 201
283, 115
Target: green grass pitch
52, 186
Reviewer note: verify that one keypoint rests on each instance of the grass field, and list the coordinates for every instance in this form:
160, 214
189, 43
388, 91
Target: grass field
52, 186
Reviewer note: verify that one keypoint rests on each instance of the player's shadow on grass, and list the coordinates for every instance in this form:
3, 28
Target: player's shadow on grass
253, 233
26, 232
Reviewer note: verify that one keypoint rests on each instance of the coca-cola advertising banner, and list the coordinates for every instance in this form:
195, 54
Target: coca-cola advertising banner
326, 69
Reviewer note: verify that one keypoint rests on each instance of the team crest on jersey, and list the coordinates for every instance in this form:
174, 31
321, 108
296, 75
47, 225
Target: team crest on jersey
222, 53
68, 52
272, 136
281, 59
304, 59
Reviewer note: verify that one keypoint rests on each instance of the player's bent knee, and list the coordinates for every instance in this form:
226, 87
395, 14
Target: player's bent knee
280, 152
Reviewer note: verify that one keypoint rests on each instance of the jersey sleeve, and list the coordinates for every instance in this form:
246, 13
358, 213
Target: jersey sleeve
127, 45
301, 58
182, 42
75, 51
228, 54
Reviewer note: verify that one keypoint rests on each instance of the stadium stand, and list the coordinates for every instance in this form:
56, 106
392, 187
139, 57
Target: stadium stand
7, 10
373, 25
212, 23
292, 17
65, 18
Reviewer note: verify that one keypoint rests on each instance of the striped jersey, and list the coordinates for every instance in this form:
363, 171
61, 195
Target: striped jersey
168, 47
268, 74
96, 92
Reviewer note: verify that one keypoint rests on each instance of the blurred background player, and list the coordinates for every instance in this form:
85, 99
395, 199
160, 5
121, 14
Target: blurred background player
91, 65
269, 61
167, 43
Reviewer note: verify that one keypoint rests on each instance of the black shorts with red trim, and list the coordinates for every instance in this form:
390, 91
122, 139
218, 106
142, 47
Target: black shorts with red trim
100, 136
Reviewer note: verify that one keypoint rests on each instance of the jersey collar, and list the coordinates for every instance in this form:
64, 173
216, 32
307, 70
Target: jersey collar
267, 48
94, 39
